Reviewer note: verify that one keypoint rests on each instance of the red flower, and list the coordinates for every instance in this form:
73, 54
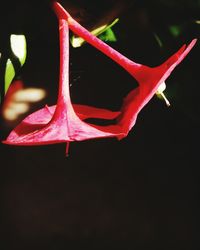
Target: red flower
65, 122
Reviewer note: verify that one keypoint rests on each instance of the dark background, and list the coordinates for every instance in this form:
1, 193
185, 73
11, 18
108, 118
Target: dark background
138, 193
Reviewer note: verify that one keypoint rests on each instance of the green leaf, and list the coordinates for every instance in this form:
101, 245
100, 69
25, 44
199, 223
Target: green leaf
175, 30
110, 36
19, 49
9, 74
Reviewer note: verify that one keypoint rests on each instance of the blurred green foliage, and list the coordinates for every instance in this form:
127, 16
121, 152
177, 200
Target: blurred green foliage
18, 52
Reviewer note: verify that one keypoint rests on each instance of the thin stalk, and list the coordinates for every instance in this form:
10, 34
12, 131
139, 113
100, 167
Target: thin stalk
63, 91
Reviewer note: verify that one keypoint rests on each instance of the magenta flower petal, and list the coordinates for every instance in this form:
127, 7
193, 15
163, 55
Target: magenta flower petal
41, 118
64, 122
85, 112
60, 123
149, 79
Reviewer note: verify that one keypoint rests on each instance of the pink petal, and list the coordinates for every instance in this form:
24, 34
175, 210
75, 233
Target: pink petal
64, 121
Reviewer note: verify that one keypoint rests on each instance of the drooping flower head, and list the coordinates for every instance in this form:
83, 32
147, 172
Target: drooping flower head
64, 122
